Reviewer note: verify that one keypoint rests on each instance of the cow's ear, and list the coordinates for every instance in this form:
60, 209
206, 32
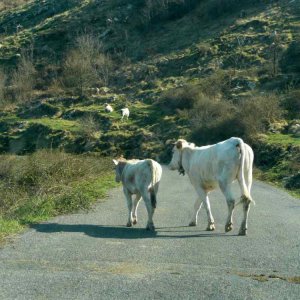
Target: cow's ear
179, 144
115, 162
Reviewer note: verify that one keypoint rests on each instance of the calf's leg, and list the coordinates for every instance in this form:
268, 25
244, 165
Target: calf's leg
150, 211
134, 208
129, 204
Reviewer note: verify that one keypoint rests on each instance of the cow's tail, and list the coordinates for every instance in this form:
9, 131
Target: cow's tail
153, 182
246, 197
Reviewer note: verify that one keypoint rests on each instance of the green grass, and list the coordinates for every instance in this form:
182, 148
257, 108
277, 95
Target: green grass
56, 124
283, 139
39, 186
168, 54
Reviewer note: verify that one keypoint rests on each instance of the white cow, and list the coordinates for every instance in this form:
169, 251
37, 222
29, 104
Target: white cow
139, 177
108, 108
125, 113
216, 165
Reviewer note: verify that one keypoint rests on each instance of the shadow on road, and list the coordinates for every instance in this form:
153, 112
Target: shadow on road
122, 232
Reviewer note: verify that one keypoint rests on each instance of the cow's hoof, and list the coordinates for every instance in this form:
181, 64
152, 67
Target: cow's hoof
193, 223
129, 224
134, 222
243, 232
150, 227
228, 227
211, 227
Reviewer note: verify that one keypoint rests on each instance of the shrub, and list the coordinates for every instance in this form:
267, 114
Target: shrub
214, 120
47, 182
7, 4
214, 9
290, 59
257, 112
154, 11
292, 104
24, 78
208, 112
89, 127
179, 98
3, 79
86, 65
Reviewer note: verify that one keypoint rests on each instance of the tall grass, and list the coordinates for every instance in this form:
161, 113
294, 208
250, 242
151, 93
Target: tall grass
47, 183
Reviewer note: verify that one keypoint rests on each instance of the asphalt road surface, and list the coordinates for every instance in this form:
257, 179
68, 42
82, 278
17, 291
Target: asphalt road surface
94, 256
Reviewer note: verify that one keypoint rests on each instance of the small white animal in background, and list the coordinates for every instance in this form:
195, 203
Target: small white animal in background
125, 113
97, 91
108, 108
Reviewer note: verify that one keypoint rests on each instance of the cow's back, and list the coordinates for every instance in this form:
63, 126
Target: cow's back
208, 162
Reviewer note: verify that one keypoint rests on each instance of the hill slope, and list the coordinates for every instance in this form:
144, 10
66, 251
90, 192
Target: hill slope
204, 70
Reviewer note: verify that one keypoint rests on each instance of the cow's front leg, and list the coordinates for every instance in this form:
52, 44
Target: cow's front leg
197, 207
202, 195
134, 208
129, 204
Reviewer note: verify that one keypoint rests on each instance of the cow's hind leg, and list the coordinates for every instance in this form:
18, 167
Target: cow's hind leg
150, 210
129, 204
134, 208
246, 207
226, 189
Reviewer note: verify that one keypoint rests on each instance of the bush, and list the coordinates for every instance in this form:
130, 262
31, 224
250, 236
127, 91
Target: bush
214, 9
7, 4
292, 104
290, 58
3, 79
208, 112
24, 78
179, 98
258, 112
213, 120
46, 183
90, 128
154, 11
86, 65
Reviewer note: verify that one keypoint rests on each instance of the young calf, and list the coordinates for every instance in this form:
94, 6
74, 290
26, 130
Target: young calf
139, 177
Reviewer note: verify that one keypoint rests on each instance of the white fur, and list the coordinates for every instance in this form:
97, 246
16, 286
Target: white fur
142, 178
108, 108
125, 113
217, 165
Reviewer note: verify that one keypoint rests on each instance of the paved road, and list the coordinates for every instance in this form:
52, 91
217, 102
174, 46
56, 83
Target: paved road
94, 256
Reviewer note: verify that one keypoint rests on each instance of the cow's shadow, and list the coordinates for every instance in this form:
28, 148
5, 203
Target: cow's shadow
122, 232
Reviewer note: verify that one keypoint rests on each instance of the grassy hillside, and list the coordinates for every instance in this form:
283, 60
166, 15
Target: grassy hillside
204, 70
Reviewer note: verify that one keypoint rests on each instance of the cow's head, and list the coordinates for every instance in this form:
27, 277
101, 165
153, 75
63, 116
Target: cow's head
119, 167
175, 163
